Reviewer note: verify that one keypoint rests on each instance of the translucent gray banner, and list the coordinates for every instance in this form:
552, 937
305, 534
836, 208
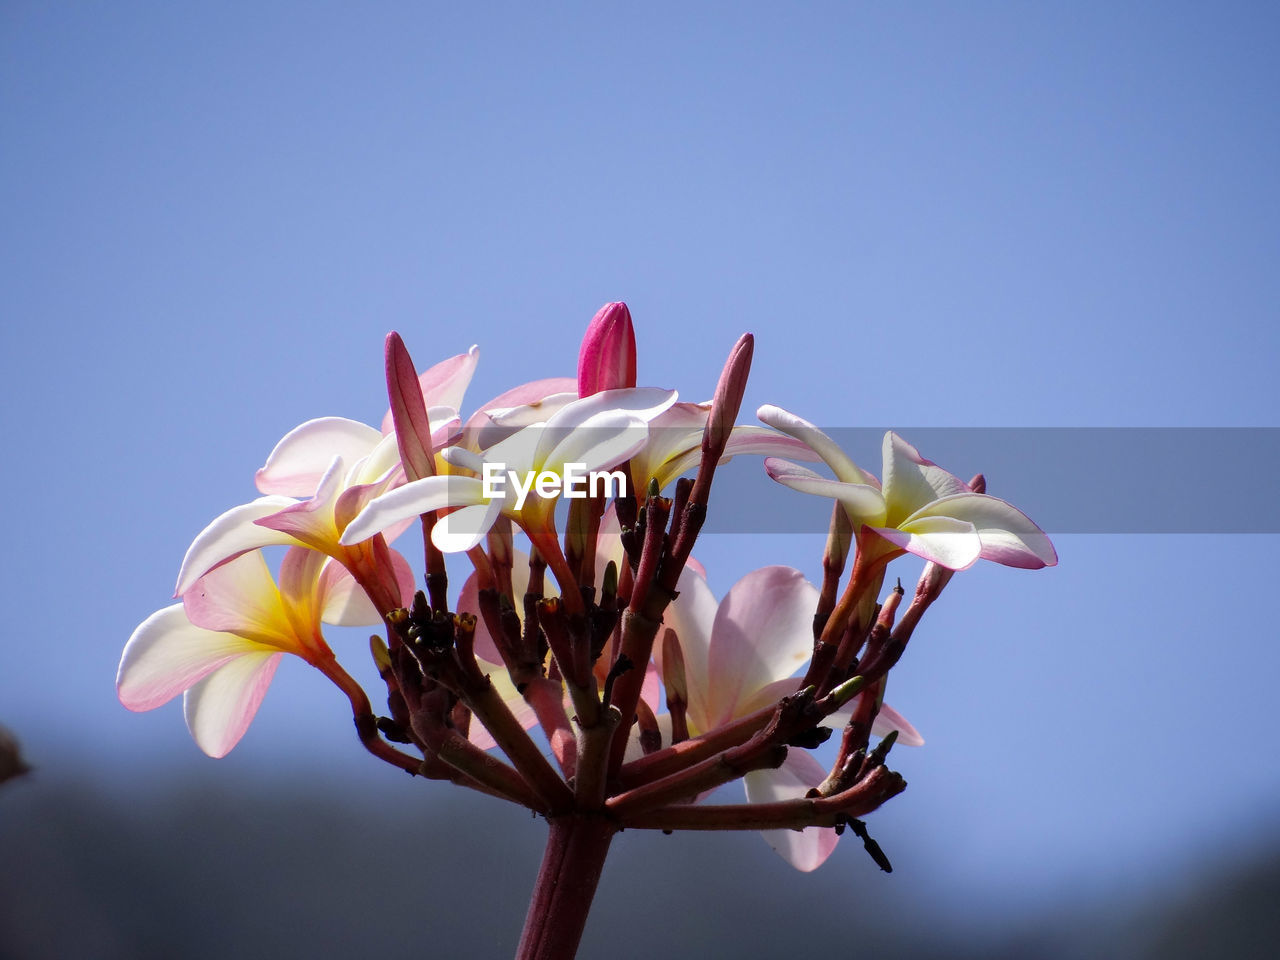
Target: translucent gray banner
1068, 480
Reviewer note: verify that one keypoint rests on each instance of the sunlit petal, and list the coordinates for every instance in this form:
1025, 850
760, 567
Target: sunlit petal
241, 597
804, 849
692, 617
888, 719
763, 632
911, 481
863, 502
299, 460
950, 543
231, 534
1008, 535
444, 385
220, 707
463, 529
411, 500
167, 654
821, 444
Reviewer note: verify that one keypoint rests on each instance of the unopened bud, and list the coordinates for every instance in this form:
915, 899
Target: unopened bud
847, 691
978, 484
673, 675
381, 655
408, 410
728, 396
609, 586
607, 358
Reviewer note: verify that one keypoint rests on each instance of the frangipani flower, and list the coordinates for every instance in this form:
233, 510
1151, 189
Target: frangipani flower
742, 654
921, 508
221, 645
336, 465
316, 522
593, 433
294, 468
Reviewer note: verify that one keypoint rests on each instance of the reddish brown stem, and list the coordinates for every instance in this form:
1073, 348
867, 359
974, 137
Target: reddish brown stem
870, 793
566, 885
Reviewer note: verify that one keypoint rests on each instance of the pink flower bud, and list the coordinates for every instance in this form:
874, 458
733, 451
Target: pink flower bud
728, 397
607, 360
408, 410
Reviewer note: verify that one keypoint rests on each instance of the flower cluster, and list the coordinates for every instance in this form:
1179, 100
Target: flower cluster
584, 613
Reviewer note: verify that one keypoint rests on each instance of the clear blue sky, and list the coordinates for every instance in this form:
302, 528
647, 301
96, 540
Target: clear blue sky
929, 214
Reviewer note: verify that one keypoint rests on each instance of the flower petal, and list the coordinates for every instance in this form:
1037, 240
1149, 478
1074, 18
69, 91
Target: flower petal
463, 529
1008, 535
826, 448
604, 441
482, 431
763, 633
948, 542
461, 457
805, 849
311, 521
411, 500
911, 481
861, 501
240, 597
444, 384
692, 616
344, 603
519, 707
167, 654
231, 534
299, 460
220, 707
642, 404
888, 719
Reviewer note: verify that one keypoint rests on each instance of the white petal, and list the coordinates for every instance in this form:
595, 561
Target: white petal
804, 849
299, 460
949, 543
604, 441
540, 411
230, 535
220, 707
378, 462
635, 404
763, 633
240, 597
888, 719
411, 500
692, 615
460, 457
519, 707
463, 529
1008, 535
343, 601
821, 444
443, 385
861, 501
911, 481
167, 654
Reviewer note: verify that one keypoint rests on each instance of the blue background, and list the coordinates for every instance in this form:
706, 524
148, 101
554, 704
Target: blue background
941, 215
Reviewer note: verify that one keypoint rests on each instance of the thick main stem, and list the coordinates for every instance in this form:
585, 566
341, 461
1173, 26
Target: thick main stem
571, 868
